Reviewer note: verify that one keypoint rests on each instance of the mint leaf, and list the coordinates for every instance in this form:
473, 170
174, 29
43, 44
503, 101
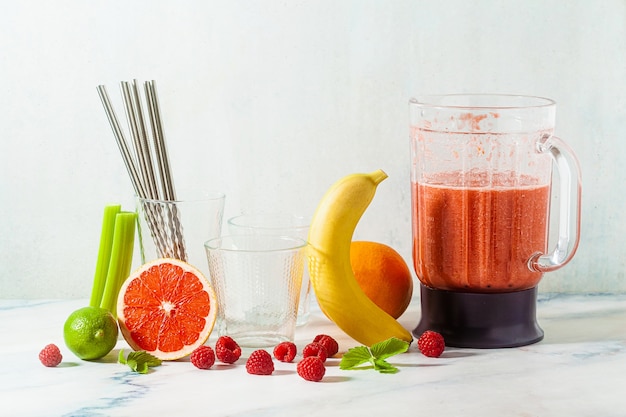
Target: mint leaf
374, 355
355, 357
139, 361
143, 356
389, 347
142, 368
384, 367
132, 364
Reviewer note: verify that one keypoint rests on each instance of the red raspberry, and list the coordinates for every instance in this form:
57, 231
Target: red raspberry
227, 350
311, 368
260, 363
203, 357
50, 356
315, 349
331, 345
285, 351
431, 344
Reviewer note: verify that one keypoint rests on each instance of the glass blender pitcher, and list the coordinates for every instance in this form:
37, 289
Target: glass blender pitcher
484, 203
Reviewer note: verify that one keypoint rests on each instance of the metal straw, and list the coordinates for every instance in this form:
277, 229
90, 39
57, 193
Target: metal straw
121, 142
143, 155
162, 157
154, 215
159, 140
144, 145
165, 228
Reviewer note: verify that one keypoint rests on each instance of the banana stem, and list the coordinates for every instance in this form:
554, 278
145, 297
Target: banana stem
378, 176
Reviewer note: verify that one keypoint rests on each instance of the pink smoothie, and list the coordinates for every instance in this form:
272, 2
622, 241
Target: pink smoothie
475, 237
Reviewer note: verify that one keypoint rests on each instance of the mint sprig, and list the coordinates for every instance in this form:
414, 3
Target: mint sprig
374, 356
139, 361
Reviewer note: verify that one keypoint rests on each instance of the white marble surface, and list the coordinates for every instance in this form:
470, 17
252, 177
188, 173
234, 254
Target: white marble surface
579, 369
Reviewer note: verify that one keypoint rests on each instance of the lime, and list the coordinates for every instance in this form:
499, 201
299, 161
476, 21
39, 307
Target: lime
90, 332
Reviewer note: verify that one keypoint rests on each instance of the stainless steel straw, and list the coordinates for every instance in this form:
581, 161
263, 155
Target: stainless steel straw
163, 162
121, 142
144, 144
162, 213
162, 156
143, 156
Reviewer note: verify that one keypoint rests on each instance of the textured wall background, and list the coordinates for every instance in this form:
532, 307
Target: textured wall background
272, 101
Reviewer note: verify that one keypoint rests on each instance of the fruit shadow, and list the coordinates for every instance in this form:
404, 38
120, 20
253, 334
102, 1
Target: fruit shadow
335, 379
458, 354
111, 357
218, 366
68, 364
283, 372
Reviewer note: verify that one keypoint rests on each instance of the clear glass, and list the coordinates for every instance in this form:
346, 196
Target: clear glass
257, 279
178, 229
278, 224
481, 177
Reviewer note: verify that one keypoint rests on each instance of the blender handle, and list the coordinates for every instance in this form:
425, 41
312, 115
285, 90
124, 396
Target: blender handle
569, 206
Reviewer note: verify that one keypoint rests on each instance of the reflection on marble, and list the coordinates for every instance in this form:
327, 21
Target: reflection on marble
579, 369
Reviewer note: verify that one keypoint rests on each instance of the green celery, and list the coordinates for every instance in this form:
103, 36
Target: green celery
121, 259
104, 254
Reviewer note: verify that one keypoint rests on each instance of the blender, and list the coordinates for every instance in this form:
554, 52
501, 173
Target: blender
495, 204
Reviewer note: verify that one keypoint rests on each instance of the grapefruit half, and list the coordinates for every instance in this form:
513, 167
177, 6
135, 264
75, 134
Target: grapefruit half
167, 308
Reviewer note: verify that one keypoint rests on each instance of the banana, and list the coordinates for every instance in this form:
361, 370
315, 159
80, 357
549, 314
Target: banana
330, 234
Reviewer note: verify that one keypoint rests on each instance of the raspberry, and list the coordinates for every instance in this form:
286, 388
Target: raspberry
311, 368
315, 349
431, 344
50, 356
203, 357
260, 363
285, 351
331, 345
227, 350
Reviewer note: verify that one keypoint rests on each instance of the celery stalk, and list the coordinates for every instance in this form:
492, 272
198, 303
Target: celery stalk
104, 254
121, 259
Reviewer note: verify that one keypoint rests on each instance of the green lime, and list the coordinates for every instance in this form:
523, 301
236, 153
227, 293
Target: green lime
90, 332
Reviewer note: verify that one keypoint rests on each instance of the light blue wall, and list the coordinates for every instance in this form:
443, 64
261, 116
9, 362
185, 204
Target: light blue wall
272, 101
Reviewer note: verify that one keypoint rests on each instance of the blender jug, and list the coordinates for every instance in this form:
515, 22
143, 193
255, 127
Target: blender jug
484, 199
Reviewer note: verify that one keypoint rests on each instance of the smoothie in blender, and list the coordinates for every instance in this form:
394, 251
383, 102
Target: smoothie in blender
475, 231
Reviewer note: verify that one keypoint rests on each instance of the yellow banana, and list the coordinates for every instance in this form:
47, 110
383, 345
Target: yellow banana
339, 296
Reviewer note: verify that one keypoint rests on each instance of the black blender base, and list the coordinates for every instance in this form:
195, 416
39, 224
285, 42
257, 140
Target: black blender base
479, 320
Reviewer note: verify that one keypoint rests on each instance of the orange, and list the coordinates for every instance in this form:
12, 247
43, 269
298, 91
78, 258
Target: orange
167, 308
383, 275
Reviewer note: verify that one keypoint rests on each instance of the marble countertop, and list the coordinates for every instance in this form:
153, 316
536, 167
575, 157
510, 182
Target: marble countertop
579, 369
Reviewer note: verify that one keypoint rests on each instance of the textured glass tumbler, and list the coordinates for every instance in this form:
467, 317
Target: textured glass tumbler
178, 229
257, 279
278, 224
